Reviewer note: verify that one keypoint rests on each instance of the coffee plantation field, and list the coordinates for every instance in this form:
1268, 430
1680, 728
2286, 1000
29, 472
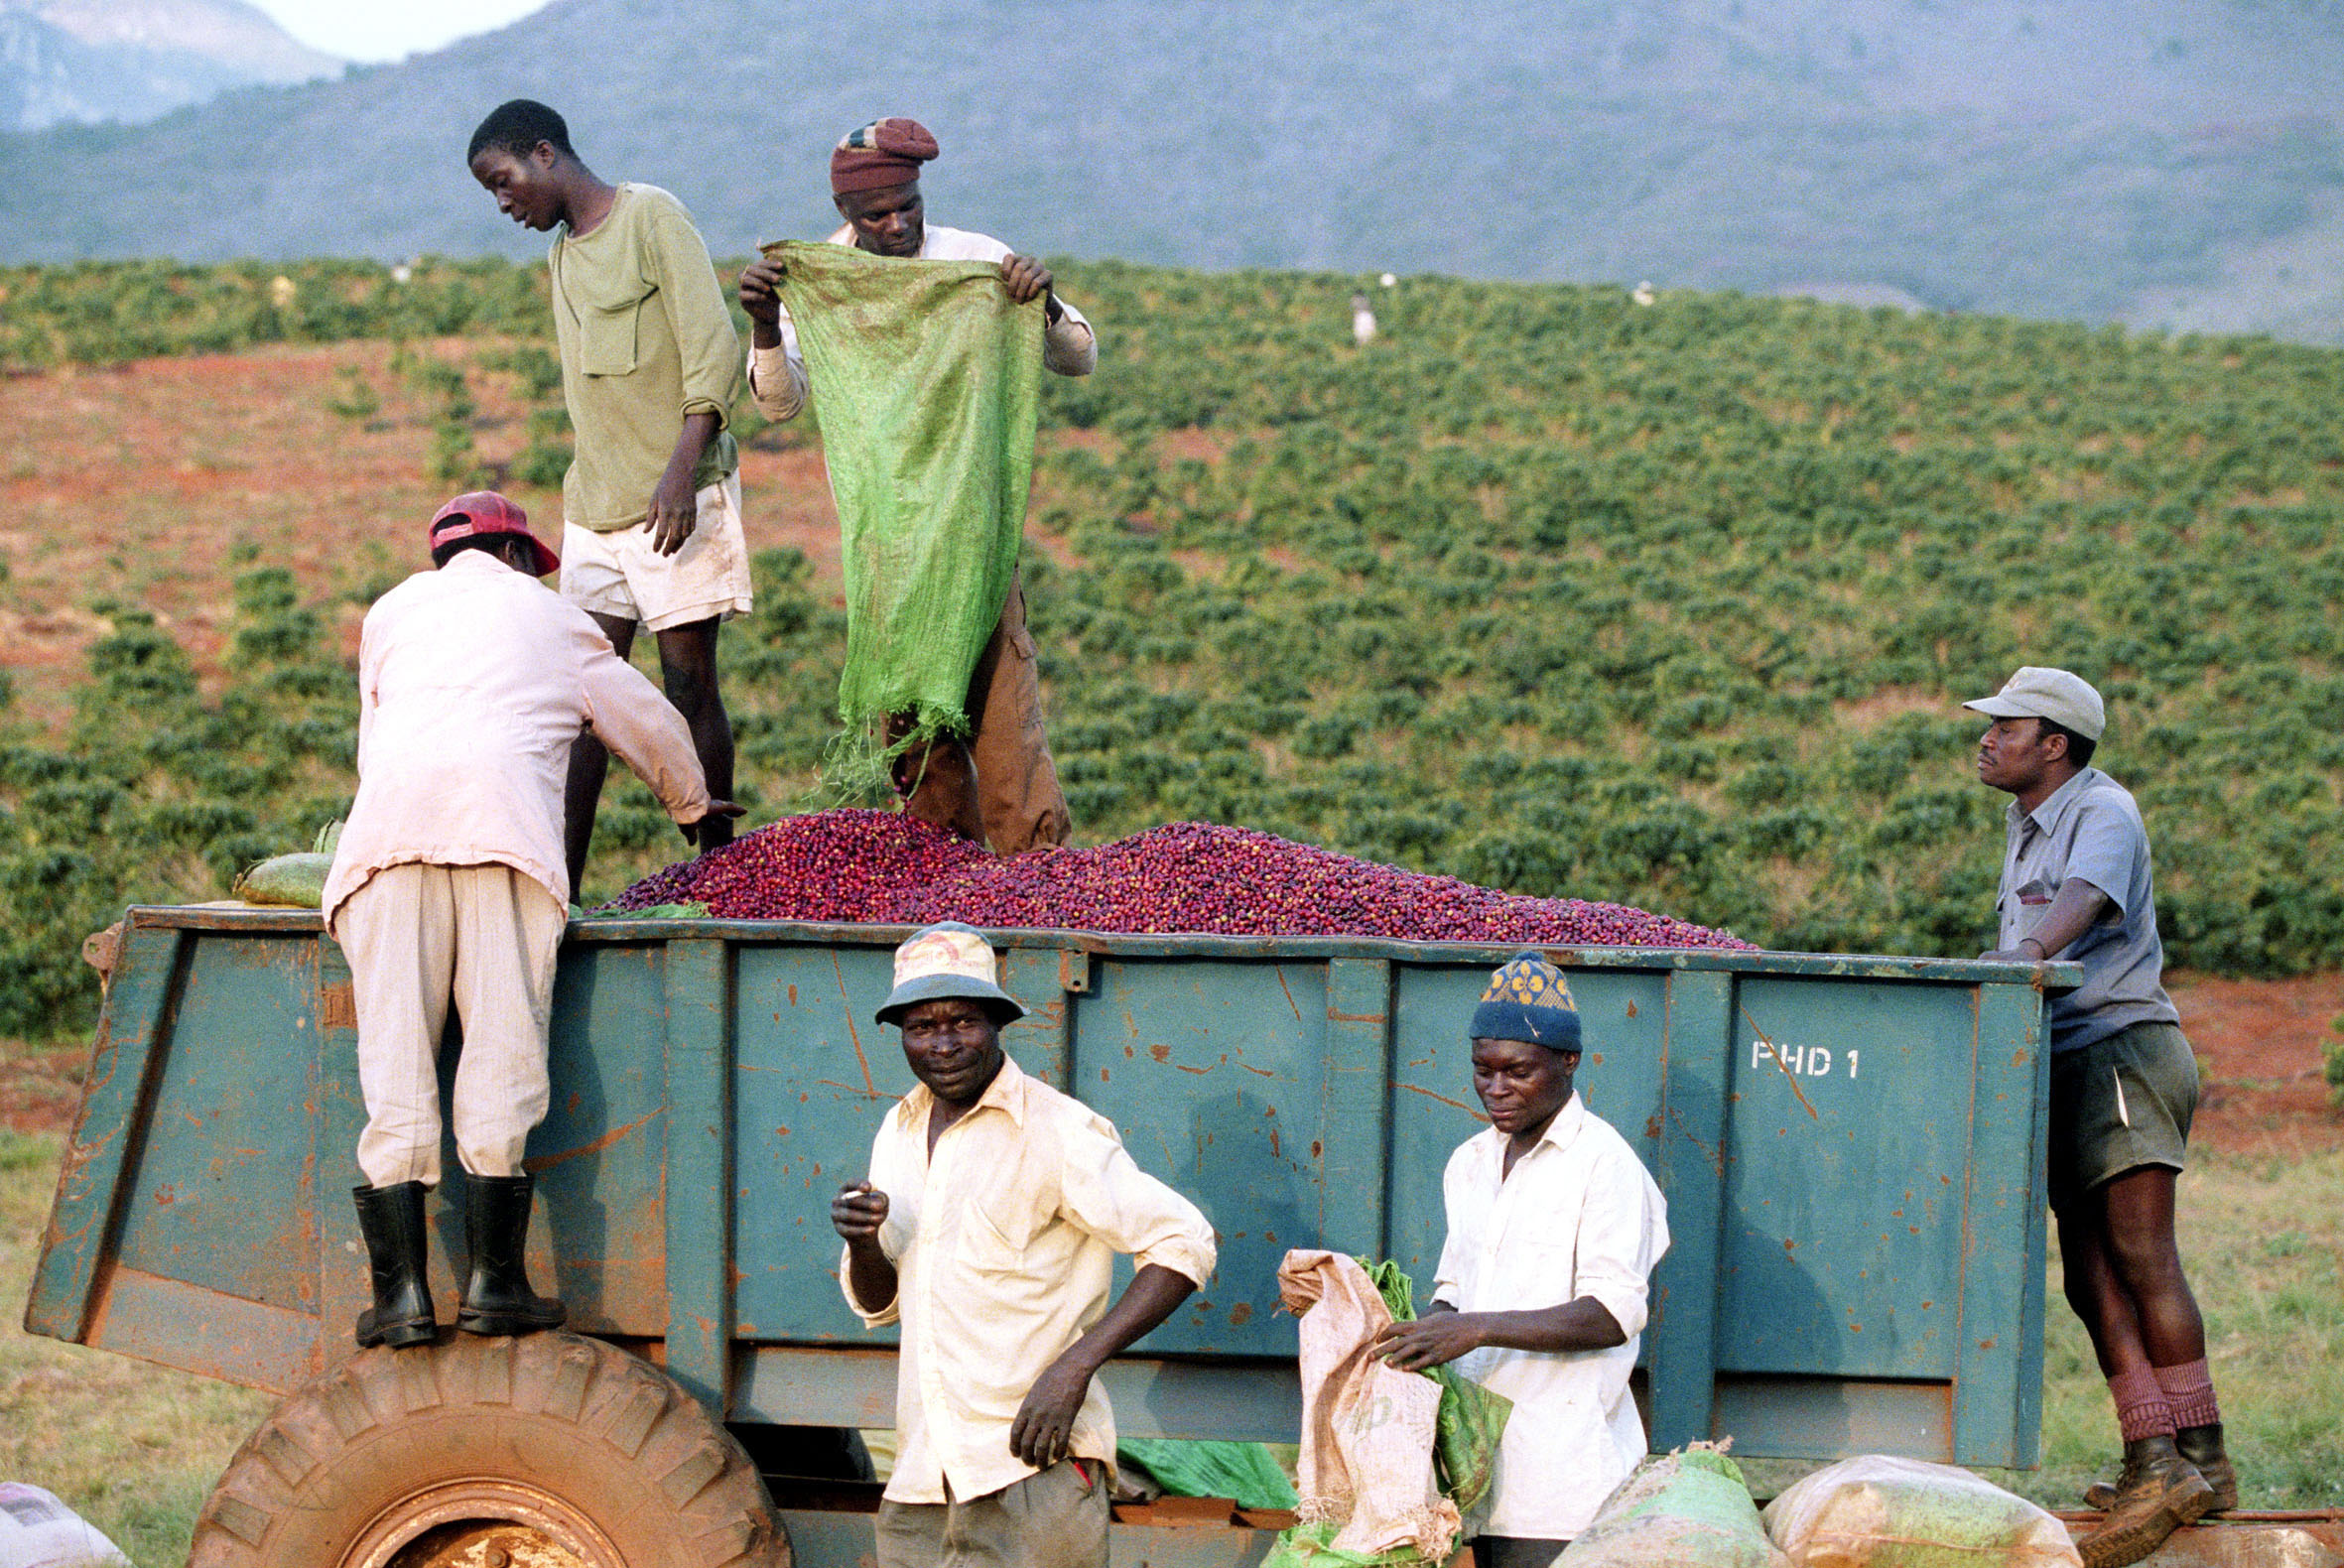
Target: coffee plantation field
1669, 605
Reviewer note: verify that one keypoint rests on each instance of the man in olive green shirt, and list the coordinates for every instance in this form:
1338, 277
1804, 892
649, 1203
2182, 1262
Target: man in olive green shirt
652, 534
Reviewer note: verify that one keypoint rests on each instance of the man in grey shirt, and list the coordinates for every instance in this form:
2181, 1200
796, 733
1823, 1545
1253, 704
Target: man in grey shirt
2075, 885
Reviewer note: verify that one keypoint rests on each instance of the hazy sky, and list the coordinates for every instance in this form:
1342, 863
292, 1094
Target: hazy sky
375, 30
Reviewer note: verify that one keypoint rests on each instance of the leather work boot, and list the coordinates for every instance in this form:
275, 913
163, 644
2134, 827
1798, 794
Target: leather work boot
497, 1298
2158, 1494
391, 1221
2201, 1446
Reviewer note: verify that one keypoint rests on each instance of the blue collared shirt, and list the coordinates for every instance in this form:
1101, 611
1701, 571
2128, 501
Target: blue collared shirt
2089, 828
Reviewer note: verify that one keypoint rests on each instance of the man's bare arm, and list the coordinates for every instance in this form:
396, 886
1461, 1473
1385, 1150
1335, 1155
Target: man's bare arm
1444, 1333
2071, 915
856, 1214
1046, 1420
674, 509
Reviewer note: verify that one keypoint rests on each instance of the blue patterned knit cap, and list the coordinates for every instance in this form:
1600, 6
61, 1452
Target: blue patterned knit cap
1529, 999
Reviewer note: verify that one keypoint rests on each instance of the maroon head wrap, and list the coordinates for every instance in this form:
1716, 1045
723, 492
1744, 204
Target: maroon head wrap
884, 153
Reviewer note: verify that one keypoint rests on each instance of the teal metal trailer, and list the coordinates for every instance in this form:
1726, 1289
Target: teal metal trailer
1851, 1148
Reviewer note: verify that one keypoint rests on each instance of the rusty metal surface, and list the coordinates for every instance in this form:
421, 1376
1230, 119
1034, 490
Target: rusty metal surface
1850, 1146
2243, 1539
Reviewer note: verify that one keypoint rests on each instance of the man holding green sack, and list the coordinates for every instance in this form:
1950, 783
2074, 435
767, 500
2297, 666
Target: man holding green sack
1554, 1229
928, 376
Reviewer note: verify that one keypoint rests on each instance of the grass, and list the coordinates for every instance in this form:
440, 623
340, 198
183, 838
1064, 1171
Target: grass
2263, 1237
132, 1448
135, 1448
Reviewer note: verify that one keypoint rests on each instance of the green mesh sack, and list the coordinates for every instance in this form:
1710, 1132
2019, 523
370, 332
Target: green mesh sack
1471, 1418
1312, 1546
925, 377
1247, 1473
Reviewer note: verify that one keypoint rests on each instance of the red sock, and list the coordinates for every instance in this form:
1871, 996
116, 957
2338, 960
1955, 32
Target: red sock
2189, 1390
2142, 1407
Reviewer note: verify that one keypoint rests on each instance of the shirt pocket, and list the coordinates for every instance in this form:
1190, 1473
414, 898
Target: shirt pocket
987, 1245
2028, 902
606, 336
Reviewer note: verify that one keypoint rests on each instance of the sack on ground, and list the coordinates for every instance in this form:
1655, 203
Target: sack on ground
1878, 1511
37, 1530
1688, 1510
1368, 1428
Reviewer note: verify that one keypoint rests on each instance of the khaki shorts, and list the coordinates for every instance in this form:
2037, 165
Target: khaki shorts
1054, 1520
2118, 1104
621, 576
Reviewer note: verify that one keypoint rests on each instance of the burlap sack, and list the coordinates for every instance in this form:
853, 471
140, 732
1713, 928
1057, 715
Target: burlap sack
1367, 1456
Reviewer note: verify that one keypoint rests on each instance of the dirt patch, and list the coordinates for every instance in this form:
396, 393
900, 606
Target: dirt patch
2261, 1043
40, 1085
158, 483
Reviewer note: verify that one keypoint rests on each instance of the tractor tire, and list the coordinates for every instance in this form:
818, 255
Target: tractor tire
546, 1451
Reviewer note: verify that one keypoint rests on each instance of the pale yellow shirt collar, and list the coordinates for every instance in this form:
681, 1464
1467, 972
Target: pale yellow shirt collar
1005, 1093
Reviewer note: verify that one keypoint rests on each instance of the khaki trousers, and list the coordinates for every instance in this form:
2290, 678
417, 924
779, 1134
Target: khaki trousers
418, 937
1054, 1520
1000, 788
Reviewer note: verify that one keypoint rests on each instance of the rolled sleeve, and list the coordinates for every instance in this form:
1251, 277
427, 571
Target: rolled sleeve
1106, 1193
2105, 850
891, 1311
1623, 1233
705, 343
777, 376
1071, 349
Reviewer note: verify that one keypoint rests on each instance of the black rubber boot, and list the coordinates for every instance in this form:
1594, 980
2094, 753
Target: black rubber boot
391, 1221
497, 1298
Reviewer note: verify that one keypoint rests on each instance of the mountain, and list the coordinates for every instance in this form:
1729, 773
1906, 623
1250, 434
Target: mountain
128, 61
2159, 162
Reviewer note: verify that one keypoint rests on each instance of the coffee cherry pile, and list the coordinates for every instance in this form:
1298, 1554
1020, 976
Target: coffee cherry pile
884, 868
851, 867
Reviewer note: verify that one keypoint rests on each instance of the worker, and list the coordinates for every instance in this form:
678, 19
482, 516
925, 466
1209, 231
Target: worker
448, 885
651, 536
2075, 885
999, 787
1553, 1230
987, 1227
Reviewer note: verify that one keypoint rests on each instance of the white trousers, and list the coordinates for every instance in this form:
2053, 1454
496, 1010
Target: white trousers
418, 937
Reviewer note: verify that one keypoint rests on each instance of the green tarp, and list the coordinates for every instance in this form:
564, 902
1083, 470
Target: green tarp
925, 379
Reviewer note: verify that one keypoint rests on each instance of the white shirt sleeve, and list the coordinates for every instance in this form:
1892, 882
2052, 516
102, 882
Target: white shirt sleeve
882, 1179
1106, 1191
1623, 1233
777, 376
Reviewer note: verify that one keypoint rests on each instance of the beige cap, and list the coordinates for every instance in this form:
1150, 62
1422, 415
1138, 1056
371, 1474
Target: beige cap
946, 960
2036, 692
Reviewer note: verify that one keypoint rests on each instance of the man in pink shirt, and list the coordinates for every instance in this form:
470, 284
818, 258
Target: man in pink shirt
450, 884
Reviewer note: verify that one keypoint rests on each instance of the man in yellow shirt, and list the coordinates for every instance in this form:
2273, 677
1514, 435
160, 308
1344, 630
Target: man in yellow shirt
988, 1228
652, 532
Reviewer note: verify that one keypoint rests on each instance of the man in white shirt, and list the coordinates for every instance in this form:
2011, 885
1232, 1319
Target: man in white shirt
1554, 1229
1000, 787
988, 1228
448, 886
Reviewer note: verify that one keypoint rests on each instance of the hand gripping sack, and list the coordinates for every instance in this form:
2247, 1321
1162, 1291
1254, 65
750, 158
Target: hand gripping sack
1879, 1511
1365, 1468
926, 380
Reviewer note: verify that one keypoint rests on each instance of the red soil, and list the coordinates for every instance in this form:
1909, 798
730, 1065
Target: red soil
158, 482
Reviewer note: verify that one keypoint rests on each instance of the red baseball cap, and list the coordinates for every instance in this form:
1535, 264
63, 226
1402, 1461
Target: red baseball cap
479, 512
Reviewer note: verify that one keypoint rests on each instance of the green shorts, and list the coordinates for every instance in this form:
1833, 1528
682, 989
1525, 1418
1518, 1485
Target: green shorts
2120, 1104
